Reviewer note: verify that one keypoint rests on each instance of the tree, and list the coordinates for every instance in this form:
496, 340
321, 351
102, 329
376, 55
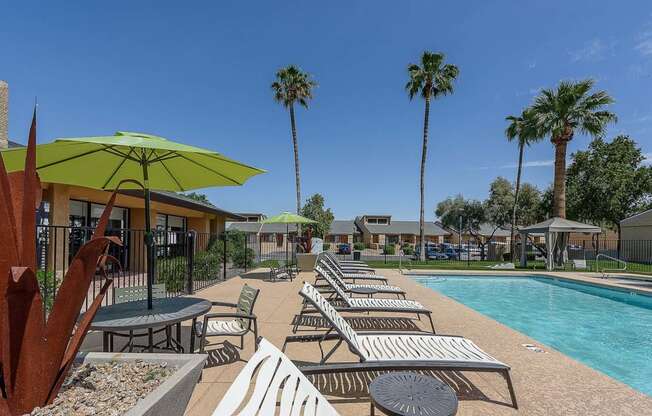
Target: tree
471, 211
314, 209
608, 182
522, 128
431, 79
530, 205
198, 197
561, 112
292, 86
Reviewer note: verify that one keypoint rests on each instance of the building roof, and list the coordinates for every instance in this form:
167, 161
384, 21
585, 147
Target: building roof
257, 227
12, 144
402, 227
640, 219
556, 224
343, 227
245, 227
173, 198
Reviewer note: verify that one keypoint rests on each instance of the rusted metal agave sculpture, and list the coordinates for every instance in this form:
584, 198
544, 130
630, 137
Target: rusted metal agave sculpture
35, 353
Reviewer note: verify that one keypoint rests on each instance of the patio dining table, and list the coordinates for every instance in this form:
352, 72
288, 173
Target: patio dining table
132, 316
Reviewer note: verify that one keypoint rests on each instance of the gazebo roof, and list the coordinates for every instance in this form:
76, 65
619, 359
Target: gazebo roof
561, 225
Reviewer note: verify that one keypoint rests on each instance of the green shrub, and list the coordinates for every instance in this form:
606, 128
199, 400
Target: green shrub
244, 258
389, 250
47, 283
358, 246
507, 256
206, 266
408, 249
172, 271
531, 256
326, 246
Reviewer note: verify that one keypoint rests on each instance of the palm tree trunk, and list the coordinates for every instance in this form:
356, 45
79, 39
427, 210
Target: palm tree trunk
521, 146
297, 177
559, 190
424, 152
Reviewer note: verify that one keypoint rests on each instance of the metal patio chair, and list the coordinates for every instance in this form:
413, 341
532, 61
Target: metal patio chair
242, 320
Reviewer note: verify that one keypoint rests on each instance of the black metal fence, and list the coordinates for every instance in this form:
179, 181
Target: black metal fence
599, 254
184, 262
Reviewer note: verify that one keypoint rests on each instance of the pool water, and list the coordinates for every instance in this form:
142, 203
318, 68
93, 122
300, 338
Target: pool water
608, 330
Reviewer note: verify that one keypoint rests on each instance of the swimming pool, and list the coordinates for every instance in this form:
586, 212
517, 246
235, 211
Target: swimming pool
606, 329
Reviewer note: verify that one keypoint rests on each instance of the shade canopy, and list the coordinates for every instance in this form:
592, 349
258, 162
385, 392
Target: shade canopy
560, 225
556, 231
288, 218
103, 162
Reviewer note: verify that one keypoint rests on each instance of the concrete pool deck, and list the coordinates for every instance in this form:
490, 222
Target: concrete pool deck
547, 383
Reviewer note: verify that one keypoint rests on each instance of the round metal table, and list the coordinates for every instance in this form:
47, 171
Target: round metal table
369, 291
412, 394
130, 316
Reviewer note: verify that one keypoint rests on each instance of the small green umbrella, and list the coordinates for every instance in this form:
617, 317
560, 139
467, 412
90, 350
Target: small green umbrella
288, 218
143, 160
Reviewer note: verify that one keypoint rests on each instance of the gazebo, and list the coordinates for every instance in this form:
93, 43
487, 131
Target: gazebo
556, 231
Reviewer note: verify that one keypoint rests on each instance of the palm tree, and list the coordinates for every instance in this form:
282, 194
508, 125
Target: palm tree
522, 128
432, 79
562, 111
292, 85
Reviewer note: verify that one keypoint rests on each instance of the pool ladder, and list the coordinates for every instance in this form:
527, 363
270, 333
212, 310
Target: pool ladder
606, 270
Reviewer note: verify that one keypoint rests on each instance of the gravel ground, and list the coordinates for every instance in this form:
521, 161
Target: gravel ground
108, 389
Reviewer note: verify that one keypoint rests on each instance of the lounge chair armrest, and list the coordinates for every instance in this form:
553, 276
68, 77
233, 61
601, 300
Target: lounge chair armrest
309, 338
229, 315
228, 304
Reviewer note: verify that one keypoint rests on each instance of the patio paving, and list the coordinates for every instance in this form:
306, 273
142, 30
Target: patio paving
547, 383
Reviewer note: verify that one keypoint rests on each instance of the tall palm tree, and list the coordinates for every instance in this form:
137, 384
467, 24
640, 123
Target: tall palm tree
431, 79
560, 113
292, 86
522, 128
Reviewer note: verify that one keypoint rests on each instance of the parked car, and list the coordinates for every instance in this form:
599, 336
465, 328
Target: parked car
432, 253
344, 248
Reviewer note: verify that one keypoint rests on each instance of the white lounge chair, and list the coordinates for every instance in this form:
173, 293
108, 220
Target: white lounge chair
350, 304
349, 268
393, 351
275, 377
352, 286
351, 276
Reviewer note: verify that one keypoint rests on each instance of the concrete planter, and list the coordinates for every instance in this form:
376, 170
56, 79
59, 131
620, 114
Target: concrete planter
171, 397
306, 261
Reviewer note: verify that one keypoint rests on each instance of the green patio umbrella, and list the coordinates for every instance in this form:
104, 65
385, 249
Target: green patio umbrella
288, 218
145, 161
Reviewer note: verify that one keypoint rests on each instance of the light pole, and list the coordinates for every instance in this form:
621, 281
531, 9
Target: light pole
459, 241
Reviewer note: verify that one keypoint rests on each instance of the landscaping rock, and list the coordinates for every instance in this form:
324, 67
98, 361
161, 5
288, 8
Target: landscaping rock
106, 389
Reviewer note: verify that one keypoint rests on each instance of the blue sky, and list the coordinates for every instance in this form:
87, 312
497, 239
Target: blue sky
201, 74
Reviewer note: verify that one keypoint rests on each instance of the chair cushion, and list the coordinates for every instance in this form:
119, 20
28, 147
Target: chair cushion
215, 327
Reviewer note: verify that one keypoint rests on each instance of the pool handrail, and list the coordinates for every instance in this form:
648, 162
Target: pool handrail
606, 270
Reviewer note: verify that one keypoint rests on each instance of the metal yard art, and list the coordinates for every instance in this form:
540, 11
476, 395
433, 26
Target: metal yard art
36, 351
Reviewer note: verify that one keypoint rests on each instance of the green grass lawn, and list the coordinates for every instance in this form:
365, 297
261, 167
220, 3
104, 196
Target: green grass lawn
483, 265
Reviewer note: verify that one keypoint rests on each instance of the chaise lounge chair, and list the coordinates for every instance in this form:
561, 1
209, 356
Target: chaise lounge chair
378, 351
275, 377
349, 304
348, 268
351, 276
395, 290
346, 262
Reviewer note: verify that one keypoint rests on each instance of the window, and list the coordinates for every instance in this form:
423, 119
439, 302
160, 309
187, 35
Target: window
382, 220
87, 214
372, 221
170, 239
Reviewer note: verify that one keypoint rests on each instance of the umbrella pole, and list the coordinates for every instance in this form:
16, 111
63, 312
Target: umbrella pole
287, 241
149, 239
